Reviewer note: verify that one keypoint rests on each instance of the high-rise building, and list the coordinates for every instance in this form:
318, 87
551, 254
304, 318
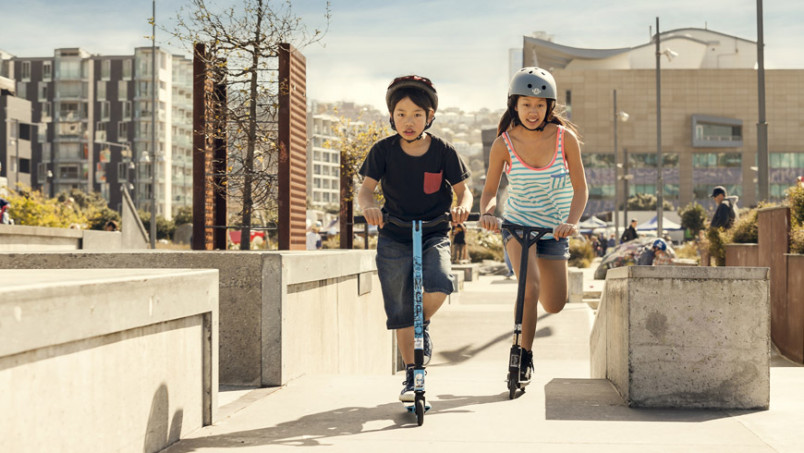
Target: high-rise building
324, 164
94, 118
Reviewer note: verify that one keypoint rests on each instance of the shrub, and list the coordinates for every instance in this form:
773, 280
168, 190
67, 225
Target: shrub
581, 253
717, 241
693, 218
797, 240
745, 230
795, 196
688, 250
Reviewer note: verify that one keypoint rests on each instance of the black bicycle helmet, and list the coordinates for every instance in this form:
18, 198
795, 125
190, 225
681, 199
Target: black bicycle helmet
412, 81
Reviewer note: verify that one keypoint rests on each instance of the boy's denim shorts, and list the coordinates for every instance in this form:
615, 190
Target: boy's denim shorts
548, 249
395, 269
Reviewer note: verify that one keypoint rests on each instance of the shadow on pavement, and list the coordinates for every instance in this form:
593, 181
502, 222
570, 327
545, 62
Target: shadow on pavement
313, 430
598, 400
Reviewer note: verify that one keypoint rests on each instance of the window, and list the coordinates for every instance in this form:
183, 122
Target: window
47, 111
122, 131
100, 131
25, 70
47, 70
71, 90
25, 165
716, 132
106, 69
717, 160
68, 171
42, 91
105, 107
127, 110
122, 90
127, 65
25, 131
41, 133
786, 160
101, 91
22, 90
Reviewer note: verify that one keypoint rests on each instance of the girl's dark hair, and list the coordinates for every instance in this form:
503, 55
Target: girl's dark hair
555, 115
418, 97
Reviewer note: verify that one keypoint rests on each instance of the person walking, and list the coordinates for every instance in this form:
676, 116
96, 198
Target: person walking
540, 152
726, 211
630, 233
418, 173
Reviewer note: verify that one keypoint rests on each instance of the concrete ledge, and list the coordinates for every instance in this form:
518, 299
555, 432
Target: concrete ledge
282, 314
30, 238
574, 285
471, 271
685, 337
119, 358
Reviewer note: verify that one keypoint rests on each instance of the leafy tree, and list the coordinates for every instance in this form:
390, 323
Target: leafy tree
243, 43
164, 227
646, 202
693, 218
183, 215
30, 207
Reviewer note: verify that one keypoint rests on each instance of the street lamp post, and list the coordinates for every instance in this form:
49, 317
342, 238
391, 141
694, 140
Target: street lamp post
154, 181
659, 160
762, 125
618, 116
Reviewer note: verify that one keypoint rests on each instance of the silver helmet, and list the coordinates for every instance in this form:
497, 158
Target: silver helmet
533, 81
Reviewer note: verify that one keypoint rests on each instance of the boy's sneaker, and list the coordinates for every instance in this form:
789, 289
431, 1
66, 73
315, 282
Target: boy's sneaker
526, 367
428, 344
407, 395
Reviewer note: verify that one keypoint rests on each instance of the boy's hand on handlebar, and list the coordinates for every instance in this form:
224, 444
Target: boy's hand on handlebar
564, 230
373, 217
459, 214
490, 222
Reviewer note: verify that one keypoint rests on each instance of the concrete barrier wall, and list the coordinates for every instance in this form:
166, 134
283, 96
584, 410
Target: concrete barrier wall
21, 238
282, 314
744, 255
126, 359
685, 337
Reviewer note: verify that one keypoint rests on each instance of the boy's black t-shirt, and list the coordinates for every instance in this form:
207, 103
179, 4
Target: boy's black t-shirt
415, 188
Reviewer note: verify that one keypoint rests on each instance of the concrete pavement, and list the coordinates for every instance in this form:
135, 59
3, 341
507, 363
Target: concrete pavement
563, 409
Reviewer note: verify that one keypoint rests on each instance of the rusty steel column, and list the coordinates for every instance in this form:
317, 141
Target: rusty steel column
200, 219
346, 215
292, 177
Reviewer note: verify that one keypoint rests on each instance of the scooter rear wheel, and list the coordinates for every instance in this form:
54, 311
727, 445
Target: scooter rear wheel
419, 410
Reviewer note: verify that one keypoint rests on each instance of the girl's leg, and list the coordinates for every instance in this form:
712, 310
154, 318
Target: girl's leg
553, 295
529, 310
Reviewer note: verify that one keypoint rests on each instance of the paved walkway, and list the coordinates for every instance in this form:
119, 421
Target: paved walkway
563, 409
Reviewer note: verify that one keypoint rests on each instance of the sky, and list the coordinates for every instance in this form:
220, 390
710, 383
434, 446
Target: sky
462, 45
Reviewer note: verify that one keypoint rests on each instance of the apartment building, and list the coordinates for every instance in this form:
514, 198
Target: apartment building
324, 181
709, 115
94, 124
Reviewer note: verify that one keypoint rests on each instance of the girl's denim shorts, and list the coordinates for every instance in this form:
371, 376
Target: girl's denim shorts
548, 249
395, 269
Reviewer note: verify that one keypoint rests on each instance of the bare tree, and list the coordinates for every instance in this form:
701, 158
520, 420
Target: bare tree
242, 44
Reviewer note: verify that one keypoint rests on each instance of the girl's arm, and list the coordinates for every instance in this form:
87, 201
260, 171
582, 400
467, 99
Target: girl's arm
572, 152
365, 198
498, 158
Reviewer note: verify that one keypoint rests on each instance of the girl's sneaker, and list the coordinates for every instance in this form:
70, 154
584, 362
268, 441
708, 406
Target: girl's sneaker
526, 367
407, 395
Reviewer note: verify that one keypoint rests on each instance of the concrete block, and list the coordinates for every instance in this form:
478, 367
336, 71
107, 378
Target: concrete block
458, 279
574, 285
471, 271
269, 306
685, 337
118, 360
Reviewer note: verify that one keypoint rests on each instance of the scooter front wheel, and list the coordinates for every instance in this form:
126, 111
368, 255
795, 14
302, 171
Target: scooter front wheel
420, 410
512, 386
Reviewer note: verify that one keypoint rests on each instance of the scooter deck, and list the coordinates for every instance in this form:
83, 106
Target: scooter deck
410, 406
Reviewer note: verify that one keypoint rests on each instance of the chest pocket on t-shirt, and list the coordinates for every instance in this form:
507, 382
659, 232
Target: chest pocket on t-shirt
559, 180
432, 182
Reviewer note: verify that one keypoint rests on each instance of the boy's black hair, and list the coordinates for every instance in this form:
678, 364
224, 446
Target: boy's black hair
418, 97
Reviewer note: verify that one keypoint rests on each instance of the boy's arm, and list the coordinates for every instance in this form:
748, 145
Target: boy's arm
365, 199
463, 204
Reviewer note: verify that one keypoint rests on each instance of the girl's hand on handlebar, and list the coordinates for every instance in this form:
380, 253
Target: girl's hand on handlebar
490, 222
564, 230
373, 217
459, 214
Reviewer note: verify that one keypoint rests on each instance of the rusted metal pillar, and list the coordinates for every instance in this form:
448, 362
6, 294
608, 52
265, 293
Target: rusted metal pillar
292, 177
346, 215
209, 154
